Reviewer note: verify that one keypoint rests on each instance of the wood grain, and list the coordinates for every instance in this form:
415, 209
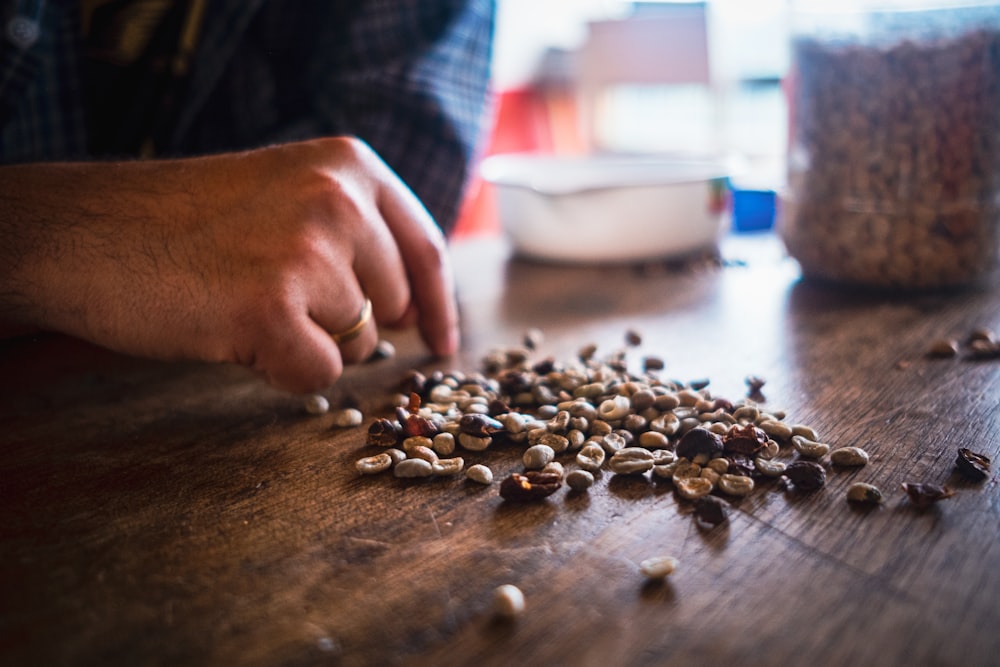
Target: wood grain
155, 514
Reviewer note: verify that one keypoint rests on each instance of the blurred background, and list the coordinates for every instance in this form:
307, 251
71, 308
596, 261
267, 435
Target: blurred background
681, 78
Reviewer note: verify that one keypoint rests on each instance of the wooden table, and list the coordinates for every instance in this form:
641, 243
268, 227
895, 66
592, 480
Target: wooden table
155, 514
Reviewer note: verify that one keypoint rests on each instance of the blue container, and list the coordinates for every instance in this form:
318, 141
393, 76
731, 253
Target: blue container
753, 210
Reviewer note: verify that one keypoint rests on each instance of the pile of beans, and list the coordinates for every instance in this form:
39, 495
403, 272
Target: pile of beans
571, 420
895, 163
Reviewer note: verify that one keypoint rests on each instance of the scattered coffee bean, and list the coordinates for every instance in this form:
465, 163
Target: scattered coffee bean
532, 485
806, 476
347, 418
651, 363
806, 432
810, 448
776, 429
384, 433
769, 467
317, 404
981, 334
480, 474
658, 567
923, 496
372, 465
591, 457
383, 350
508, 601
554, 468
444, 444
579, 480
420, 452
537, 457
533, 338
863, 493
972, 465
684, 469
710, 510
754, 384
413, 468
699, 442
943, 348
981, 350
396, 455
736, 485
448, 467
692, 487
849, 456
631, 461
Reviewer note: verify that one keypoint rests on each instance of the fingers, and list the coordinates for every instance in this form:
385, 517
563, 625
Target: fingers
303, 359
303, 354
358, 337
376, 241
424, 256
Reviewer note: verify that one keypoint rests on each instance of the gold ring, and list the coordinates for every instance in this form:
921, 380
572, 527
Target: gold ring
355, 329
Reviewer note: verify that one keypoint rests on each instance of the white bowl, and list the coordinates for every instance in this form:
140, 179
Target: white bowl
608, 208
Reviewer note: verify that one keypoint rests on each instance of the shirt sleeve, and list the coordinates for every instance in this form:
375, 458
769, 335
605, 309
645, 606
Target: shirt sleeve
411, 80
409, 77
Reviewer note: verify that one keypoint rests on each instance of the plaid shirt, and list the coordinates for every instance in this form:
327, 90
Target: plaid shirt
407, 76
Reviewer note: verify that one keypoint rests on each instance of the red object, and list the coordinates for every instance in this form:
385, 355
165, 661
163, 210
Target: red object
521, 124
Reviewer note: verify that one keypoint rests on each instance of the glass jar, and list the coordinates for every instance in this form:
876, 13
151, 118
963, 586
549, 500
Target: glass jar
894, 151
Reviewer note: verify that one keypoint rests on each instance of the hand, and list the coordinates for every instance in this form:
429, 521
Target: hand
253, 258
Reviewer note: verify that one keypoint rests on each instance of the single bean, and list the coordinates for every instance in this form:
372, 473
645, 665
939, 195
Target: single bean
591, 457
692, 487
684, 469
579, 480
631, 461
612, 442
371, 465
413, 468
444, 444
860, 492
615, 408
445, 467
769, 467
480, 474
809, 448
653, 440
558, 443
736, 485
554, 468
537, 456
508, 601
417, 441
719, 465
347, 417
805, 431
776, 429
658, 567
317, 404
849, 456
396, 455
663, 457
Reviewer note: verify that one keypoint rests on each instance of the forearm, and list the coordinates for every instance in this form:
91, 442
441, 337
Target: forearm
64, 229
256, 258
